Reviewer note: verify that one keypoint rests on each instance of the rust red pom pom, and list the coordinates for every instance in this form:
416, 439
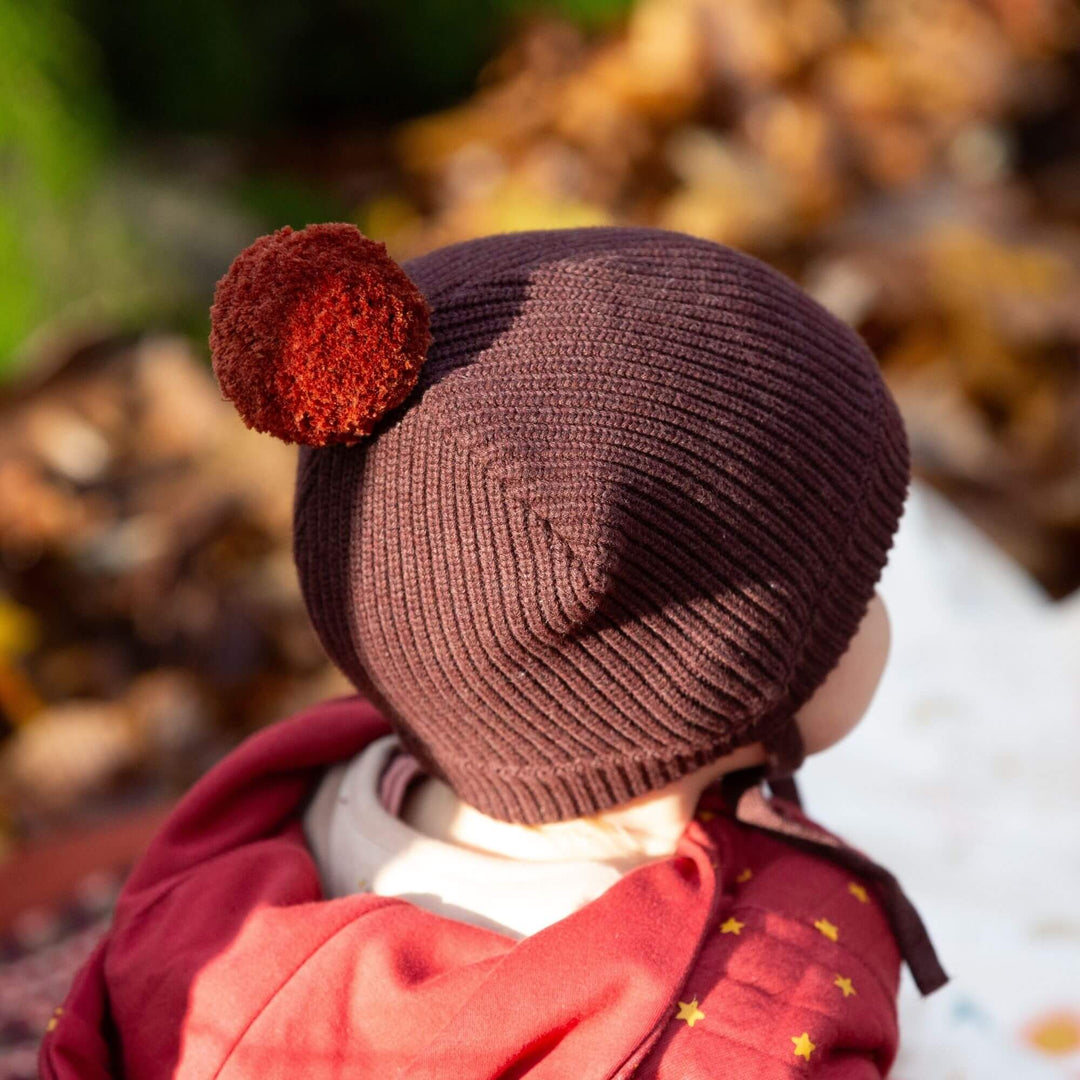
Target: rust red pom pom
316, 334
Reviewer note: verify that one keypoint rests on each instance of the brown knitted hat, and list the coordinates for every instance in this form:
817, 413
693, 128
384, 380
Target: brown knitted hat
627, 521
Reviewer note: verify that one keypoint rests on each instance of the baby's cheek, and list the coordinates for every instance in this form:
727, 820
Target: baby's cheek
840, 702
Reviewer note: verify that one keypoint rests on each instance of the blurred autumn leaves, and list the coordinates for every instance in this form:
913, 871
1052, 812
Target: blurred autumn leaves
151, 614
914, 163
754, 122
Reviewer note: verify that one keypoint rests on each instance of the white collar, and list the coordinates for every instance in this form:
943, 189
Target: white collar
359, 846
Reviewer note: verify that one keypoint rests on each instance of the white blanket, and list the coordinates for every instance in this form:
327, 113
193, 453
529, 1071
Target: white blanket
964, 779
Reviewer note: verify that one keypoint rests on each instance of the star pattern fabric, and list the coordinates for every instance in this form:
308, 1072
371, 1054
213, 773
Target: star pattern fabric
799, 977
689, 1011
828, 929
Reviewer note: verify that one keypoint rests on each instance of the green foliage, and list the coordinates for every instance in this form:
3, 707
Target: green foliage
254, 66
592, 14
49, 146
283, 200
50, 115
63, 252
74, 72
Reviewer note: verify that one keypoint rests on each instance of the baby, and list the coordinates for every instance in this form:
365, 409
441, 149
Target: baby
593, 520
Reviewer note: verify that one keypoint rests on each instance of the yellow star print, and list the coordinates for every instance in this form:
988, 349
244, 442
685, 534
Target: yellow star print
744, 876
689, 1011
706, 815
803, 1046
732, 926
827, 928
845, 986
858, 891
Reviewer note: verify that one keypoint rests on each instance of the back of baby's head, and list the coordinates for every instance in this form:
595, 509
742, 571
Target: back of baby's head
582, 510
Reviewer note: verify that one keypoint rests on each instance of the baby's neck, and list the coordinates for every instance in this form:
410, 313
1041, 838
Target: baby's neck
647, 828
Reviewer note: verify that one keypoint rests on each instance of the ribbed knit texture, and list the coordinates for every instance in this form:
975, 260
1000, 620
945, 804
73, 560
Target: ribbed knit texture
629, 520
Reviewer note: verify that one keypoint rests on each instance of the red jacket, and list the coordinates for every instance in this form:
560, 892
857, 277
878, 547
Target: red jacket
738, 957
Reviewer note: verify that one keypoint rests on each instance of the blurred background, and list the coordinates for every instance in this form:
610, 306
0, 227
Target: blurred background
915, 164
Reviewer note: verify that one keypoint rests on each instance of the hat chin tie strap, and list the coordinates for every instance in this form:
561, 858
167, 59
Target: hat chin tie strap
786, 753
744, 798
